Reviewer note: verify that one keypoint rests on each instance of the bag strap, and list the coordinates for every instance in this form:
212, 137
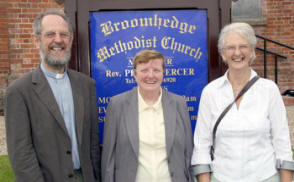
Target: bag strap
245, 88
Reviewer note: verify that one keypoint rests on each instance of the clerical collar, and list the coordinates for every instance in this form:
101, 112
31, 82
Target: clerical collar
53, 74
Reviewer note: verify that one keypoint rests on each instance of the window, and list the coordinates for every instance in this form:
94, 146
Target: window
250, 11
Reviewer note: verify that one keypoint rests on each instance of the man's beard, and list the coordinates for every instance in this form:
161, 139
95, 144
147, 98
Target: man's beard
53, 61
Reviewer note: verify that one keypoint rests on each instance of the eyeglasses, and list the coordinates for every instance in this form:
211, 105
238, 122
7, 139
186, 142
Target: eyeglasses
232, 49
51, 35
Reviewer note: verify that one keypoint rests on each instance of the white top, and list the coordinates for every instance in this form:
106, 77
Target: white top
249, 139
152, 165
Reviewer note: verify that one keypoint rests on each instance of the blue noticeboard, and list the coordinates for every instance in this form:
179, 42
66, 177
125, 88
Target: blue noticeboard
180, 35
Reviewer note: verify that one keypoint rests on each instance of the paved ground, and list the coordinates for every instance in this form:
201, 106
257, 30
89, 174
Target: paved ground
3, 148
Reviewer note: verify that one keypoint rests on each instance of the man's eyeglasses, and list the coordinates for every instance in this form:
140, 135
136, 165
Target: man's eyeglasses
63, 35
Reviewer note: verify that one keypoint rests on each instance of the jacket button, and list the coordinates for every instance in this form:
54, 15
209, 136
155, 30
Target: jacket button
172, 174
68, 152
70, 175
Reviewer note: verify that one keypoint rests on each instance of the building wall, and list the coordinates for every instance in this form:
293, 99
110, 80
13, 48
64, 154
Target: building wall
279, 26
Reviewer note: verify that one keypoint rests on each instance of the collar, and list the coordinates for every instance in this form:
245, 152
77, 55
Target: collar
53, 75
142, 104
225, 80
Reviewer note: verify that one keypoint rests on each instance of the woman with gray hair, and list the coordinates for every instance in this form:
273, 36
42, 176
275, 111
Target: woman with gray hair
242, 132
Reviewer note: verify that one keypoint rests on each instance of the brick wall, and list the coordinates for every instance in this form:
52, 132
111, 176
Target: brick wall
4, 64
279, 27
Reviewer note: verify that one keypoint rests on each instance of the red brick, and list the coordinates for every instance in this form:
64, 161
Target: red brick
4, 64
27, 65
25, 25
289, 101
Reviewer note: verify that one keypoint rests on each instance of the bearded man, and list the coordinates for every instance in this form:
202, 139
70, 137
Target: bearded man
50, 113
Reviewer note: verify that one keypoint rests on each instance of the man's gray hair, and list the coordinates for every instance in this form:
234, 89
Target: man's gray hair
59, 12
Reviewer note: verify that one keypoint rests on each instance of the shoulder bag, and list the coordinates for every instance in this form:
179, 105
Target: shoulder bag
245, 88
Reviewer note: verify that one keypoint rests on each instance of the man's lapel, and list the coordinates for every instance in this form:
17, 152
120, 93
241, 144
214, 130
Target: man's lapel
78, 98
43, 90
